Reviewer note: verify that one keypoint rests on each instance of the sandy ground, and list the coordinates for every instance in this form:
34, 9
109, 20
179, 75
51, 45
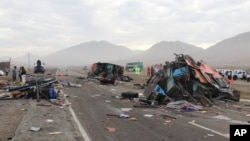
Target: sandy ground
12, 112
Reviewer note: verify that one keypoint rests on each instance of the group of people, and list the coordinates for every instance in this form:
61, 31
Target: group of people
21, 73
154, 69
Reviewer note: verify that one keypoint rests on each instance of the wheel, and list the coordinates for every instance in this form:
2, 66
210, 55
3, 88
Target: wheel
130, 95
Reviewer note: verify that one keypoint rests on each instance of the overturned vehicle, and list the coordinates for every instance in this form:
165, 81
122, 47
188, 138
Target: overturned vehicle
186, 79
106, 72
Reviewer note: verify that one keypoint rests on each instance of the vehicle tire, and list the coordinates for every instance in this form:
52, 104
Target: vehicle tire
129, 95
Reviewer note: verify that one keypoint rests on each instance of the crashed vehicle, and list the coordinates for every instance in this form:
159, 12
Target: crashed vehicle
186, 79
106, 72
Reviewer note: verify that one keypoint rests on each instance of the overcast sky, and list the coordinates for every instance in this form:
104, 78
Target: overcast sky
46, 26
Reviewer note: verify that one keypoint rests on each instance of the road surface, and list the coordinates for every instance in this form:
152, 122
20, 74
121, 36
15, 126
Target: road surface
97, 109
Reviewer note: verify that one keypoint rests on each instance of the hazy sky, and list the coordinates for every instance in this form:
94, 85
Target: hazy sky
46, 26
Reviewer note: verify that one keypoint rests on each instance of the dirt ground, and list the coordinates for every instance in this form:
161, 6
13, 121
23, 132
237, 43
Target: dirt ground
12, 111
244, 90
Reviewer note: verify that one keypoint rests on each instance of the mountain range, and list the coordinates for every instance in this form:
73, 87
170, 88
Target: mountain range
228, 52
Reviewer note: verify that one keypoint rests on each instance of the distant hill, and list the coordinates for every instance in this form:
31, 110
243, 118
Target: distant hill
233, 51
164, 51
88, 53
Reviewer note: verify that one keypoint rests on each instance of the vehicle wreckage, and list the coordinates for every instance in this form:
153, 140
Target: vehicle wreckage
37, 84
107, 73
186, 79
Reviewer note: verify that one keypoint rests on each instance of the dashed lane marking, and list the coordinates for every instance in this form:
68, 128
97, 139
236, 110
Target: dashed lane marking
82, 130
213, 131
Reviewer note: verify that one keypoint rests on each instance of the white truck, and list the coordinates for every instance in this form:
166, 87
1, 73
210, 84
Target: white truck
239, 74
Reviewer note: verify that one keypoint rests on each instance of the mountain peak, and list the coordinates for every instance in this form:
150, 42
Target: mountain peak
231, 51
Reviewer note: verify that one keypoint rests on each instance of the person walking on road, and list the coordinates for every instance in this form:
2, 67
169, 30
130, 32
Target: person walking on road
14, 73
248, 77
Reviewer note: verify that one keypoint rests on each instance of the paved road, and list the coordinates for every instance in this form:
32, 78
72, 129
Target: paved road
92, 103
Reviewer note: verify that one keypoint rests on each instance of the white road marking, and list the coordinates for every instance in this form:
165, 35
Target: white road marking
82, 130
244, 100
203, 127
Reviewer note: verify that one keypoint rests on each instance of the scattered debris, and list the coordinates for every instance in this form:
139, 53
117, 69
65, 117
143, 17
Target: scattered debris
77, 84
133, 119
119, 116
42, 104
148, 115
211, 135
111, 129
55, 133
165, 116
126, 109
145, 106
124, 116
35, 128
113, 91
182, 104
138, 86
11, 95
221, 117
167, 122
129, 95
95, 95
49, 120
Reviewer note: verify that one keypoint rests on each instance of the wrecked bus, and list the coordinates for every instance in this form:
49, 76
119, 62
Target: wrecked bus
186, 79
106, 72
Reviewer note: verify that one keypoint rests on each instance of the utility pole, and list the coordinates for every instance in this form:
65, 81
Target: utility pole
29, 61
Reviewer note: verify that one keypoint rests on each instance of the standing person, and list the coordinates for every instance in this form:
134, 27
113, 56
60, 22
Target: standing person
23, 74
148, 71
152, 71
248, 77
20, 74
14, 73
7, 71
138, 70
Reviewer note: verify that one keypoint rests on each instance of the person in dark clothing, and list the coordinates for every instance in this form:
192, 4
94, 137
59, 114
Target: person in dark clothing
52, 92
152, 71
22, 74
19, 74
14, 73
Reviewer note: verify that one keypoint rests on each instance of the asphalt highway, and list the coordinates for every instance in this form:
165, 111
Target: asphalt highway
97, 113
97, 110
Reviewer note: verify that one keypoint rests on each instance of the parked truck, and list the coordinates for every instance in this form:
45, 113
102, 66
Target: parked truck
133, 65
